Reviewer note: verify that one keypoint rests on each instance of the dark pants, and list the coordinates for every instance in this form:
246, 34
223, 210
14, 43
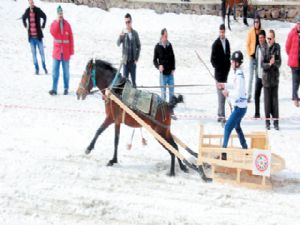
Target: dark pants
234, 121
258, 87
130, 68
296, 82
271, 104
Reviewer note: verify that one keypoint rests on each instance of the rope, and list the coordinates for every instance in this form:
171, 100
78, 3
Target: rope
201, 60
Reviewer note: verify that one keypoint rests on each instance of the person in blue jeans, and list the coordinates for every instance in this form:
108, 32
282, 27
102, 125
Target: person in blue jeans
63, 49
33, 16
164, 61
236, 93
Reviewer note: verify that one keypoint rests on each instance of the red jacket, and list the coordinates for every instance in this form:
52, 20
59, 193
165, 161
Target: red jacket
292, 48
63, 43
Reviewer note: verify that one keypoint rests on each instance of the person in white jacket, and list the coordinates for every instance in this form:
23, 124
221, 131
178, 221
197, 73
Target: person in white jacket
237, 95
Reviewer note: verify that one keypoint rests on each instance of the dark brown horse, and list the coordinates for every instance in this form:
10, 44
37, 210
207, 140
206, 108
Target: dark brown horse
231, 6
102, 74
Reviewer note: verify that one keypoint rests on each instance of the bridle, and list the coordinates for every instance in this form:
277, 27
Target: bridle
90, 73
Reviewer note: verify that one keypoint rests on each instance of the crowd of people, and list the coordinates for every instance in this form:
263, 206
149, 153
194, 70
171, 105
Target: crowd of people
63, 43
263, 52
264, 63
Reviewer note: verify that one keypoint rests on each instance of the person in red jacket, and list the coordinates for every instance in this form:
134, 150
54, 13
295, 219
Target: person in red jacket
63, 48
292, 48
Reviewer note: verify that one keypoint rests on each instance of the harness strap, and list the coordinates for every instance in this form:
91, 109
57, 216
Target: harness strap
123, 116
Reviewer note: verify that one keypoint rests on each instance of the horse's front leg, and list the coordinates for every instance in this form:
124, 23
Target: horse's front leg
228, 18
103, 126
223, 10
117, 137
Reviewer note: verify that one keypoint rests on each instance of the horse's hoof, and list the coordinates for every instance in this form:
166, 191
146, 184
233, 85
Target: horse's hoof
171, 174
207, 179
144, 142
88, 151
185, 169
111, 162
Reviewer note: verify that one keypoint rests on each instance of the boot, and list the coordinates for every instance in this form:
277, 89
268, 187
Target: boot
52, 92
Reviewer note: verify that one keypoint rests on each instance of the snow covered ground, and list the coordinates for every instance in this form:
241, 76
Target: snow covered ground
45, 177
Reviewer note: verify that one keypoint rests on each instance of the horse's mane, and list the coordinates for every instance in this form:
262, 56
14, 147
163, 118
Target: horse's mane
105, 65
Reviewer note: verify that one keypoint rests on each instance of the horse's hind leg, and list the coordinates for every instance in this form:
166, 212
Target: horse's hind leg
245, 12
172, 168
103, 126
182, 166
117, 137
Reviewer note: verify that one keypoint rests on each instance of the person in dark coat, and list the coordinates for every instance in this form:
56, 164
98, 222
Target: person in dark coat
164, 61
261, 51
270, 80
34, 15
220, 60
131, 49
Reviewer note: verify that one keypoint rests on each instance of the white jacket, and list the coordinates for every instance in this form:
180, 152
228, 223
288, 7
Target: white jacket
237, 91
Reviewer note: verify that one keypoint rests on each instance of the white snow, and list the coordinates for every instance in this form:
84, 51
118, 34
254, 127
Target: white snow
45, 177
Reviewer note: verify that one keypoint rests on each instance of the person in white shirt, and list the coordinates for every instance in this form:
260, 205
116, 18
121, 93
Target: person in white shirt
237, 95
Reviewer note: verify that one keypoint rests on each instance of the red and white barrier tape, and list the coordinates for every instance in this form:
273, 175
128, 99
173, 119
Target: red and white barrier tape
179, 116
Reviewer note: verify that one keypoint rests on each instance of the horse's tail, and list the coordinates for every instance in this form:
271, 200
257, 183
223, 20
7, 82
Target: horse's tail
175, 100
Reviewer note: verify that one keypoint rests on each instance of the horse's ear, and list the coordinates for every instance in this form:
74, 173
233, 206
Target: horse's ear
89, 65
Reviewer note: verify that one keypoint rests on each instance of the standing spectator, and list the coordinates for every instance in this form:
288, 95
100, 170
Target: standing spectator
62, 50
261, 51
131, 49
164, 61
292, 48
34, 15
236, 92
220, 59
251, 46
270, 80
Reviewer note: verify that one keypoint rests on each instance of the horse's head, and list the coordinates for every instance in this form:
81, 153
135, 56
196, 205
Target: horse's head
86, 83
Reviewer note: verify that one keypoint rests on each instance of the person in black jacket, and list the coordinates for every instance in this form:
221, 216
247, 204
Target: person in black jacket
33, 15
220, 60
270, 80
164, 61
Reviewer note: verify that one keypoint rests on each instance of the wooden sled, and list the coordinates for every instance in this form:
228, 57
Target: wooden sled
237, 169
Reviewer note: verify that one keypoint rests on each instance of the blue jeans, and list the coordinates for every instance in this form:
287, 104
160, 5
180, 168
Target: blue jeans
55, 73
164, 81
234, 121
130, 67
252, 67
34, 43
296, 82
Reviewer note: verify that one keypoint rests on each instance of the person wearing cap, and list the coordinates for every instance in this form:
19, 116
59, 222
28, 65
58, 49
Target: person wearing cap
251, 46
260, 55
164, 61
220, 60
292, 47
34, 15
131, 49
270, 80
236, 93
63, 48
